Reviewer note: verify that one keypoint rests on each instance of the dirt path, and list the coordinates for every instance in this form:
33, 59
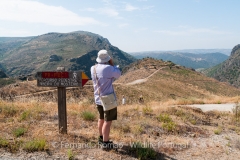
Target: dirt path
218, 107
138, 81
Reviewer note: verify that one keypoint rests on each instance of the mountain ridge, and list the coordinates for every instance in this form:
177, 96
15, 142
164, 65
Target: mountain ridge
50, 50
190, 60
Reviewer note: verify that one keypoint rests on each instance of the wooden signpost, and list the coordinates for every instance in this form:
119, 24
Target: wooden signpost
62, 79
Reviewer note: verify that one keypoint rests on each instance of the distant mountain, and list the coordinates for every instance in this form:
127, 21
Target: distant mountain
75, 51
8, 43
190, 60
204, 51
227, 71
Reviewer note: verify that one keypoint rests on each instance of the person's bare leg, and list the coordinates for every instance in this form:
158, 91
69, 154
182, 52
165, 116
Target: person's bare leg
100, 126
106, 130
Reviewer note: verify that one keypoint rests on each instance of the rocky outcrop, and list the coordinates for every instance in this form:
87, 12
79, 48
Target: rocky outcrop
53, 58
235, 49
228, 71
3, 75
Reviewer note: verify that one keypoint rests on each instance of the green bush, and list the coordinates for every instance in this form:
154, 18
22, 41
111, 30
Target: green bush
35, 145
70, 154
147, 110
143, 152
164, 118
138, 130
19, 131
25, 115
169, 126
88, 116
3, 142
218, 131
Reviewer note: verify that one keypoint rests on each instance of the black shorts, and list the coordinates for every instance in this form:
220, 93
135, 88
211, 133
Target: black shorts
109, 115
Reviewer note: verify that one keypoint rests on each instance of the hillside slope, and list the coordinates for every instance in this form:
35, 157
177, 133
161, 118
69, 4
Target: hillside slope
160, 81
74, 51
170, 82
227, 71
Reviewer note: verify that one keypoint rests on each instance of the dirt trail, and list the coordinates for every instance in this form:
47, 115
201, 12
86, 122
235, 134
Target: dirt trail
138, 81
218, 107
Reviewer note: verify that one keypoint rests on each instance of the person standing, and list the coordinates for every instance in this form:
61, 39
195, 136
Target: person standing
103, 74
123, 100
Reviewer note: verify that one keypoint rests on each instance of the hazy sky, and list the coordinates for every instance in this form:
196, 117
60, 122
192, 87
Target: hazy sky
131, 25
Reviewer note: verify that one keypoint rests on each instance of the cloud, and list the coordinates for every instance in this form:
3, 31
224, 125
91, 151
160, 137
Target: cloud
105, 11
129, 7
36, 12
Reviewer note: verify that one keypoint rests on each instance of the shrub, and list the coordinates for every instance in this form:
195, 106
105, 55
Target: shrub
193, 121
88, 116
35, 145
164, 118
9, 111
169, 126
25, 115
143, 152
19, 131
15, 146
138, 129
218, 131
70, 154
236, 112
3, 142
126, 128
147, 110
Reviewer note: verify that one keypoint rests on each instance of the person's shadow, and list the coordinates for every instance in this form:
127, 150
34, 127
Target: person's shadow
142, 153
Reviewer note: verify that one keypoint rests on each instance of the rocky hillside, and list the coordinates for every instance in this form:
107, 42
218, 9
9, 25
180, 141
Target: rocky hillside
187, 59
228, 71
8, 43
74, 51
2, 74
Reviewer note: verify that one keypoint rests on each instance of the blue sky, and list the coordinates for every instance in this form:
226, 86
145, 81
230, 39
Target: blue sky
133, 25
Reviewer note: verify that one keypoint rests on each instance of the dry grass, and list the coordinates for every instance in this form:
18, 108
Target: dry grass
36, 124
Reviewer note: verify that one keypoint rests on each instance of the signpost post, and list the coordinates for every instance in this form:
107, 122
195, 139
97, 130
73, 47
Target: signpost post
62, 79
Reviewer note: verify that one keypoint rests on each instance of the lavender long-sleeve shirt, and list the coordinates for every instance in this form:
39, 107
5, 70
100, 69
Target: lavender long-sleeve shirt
106, 75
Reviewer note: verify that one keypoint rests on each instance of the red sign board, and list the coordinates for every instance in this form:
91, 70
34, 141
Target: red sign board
61, 79
55, 75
